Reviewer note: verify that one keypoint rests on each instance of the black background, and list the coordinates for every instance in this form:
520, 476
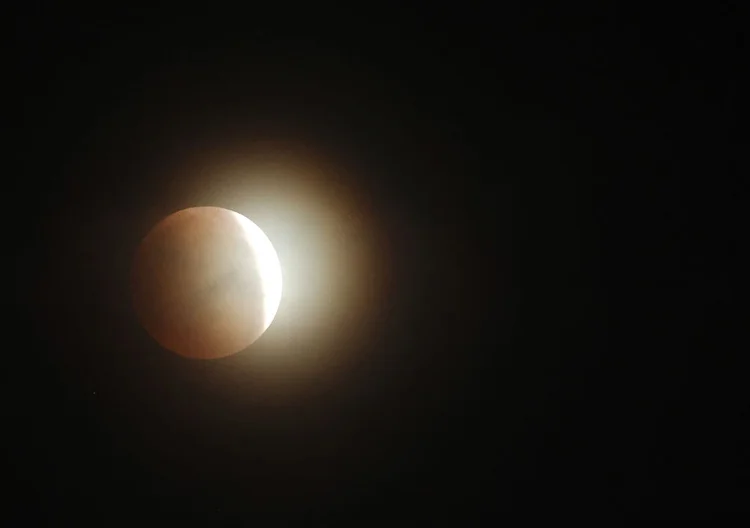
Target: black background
555, 189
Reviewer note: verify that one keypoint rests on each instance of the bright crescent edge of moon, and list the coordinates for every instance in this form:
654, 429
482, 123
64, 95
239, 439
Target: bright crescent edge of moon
269, 267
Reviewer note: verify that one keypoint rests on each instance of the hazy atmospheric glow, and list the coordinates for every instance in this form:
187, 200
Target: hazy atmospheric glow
327, 247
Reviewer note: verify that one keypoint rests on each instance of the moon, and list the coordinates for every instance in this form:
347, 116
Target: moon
206, 282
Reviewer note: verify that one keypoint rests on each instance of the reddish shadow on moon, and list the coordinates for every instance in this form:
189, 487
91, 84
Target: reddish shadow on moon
199, 285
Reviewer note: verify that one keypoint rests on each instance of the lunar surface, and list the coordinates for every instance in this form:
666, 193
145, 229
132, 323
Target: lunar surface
206, 282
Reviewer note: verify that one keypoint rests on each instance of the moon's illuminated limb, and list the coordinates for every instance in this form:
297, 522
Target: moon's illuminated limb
269, 267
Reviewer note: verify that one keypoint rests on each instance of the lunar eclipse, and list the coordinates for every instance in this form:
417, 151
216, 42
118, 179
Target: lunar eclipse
206, 282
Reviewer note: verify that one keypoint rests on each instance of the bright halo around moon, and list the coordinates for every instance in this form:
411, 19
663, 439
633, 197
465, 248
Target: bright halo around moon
291, 212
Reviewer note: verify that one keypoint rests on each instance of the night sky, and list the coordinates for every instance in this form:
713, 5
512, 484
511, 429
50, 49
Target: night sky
544, 209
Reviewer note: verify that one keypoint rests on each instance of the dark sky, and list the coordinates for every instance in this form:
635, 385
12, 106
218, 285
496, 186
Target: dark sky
554, 192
